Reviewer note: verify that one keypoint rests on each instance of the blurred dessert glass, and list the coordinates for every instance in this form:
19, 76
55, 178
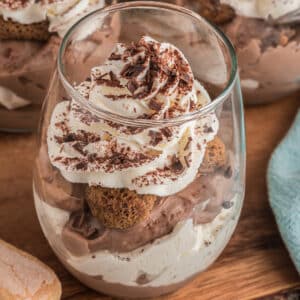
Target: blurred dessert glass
266, 44
139, 178
30, 34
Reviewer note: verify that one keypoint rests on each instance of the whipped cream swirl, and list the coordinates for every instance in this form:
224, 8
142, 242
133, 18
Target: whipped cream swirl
61, 14
148, 80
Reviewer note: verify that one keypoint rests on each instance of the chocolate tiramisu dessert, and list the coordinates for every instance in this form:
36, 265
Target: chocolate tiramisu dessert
30, 33
136, 210
268, 50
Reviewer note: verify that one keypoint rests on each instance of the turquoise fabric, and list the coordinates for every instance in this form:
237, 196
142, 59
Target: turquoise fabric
284, 189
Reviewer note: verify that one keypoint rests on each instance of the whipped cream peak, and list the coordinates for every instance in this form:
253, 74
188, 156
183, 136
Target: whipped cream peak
263, 9
146, 79
160, 161
61, 14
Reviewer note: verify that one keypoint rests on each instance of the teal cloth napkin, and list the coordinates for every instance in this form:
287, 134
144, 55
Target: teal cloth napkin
284, 189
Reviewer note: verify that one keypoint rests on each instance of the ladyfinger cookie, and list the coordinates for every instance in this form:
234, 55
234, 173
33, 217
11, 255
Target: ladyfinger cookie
23, 276
10, 30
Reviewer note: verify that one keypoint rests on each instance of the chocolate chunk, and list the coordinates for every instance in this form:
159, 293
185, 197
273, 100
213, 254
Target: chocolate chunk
81, 165
166, 132
227, 204
185, 77
228, 172
176, 165
155, 105
79, 148
156, 137
207, 129
130, 71
132, 86
115, 56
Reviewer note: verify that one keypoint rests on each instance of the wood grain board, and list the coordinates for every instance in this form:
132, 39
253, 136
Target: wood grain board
254, 265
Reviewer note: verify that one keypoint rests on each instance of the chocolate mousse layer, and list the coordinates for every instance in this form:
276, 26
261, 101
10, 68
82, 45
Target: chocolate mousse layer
26, 67
269, 58
84, 234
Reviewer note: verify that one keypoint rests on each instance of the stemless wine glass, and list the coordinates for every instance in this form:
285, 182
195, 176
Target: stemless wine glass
137, 202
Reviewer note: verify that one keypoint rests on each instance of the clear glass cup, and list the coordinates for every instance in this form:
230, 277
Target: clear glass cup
113, 225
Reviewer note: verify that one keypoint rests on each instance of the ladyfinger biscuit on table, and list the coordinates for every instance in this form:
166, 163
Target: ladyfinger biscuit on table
23, 276
10, 30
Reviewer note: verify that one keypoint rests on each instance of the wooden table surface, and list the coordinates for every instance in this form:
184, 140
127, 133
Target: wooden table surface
254, 265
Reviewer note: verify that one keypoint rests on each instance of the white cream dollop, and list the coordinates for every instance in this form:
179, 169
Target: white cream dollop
263, 9
61, 14
160, 161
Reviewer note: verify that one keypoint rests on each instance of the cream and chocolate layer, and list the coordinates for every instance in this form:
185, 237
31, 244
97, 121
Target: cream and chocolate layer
130, 174
115, 229
269, 57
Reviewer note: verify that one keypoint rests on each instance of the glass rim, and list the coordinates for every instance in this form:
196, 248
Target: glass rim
129, 121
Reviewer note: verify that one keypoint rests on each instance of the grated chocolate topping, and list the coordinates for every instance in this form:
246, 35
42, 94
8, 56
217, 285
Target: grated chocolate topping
145, 72
155, 81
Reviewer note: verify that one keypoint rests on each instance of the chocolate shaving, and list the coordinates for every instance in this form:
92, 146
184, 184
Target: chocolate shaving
113, 77
176, 165
79, 148
82, 165
92, 157
185, 77
187, 161
115, 56
166, 132
129, 71
71, 137
132, 86
207, 129
156, 137
227, 204
155, 105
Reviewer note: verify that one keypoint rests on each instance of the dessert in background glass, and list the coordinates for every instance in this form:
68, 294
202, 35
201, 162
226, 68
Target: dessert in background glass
139, 177
268, 53
30, 34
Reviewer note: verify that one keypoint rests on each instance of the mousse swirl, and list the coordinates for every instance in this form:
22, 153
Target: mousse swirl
148, 80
